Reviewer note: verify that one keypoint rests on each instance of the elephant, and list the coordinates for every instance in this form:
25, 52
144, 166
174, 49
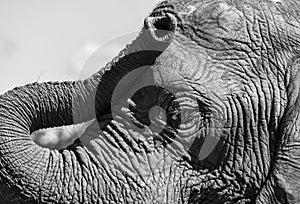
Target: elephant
202, 107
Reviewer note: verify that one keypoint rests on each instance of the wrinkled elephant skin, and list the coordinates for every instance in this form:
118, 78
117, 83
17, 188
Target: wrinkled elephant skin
202, 107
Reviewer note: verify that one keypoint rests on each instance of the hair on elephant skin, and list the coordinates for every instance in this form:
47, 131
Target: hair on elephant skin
202, 107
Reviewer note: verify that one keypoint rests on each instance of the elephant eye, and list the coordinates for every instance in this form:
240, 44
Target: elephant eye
153, 103
145, 103
194, 114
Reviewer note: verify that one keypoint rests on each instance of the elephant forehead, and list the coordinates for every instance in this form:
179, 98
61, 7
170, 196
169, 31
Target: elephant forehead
211, 14
181, 62
204, 9
185, 66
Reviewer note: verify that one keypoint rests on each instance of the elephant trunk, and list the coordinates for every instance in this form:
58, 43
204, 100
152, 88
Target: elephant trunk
156, 36
28, 171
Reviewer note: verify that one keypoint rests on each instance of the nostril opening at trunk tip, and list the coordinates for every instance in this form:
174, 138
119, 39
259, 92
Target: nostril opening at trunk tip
164, 23
161, 27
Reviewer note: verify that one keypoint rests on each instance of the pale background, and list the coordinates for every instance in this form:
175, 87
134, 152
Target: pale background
51, 40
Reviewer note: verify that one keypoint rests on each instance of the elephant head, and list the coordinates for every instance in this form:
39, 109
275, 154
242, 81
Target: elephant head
203, 107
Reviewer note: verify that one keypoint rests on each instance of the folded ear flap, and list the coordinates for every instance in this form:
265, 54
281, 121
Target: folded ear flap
283, 184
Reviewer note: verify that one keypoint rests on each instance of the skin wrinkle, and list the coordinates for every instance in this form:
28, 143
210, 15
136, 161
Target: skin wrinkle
201, 181
243, 142
279, 56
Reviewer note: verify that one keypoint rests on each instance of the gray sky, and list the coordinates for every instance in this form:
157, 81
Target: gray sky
50, 40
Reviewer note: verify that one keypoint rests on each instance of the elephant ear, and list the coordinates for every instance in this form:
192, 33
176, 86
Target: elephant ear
283, 184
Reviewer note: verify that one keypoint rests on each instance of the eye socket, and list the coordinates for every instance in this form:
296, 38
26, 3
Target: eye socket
150, 97
176, 114
194, 115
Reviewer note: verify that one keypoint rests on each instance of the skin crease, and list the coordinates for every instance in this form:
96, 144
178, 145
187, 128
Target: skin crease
233, 66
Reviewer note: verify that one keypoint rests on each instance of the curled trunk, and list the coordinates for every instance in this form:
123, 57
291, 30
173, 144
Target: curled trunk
30, 173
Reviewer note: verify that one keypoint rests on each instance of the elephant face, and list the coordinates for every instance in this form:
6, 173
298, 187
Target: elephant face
201, 107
